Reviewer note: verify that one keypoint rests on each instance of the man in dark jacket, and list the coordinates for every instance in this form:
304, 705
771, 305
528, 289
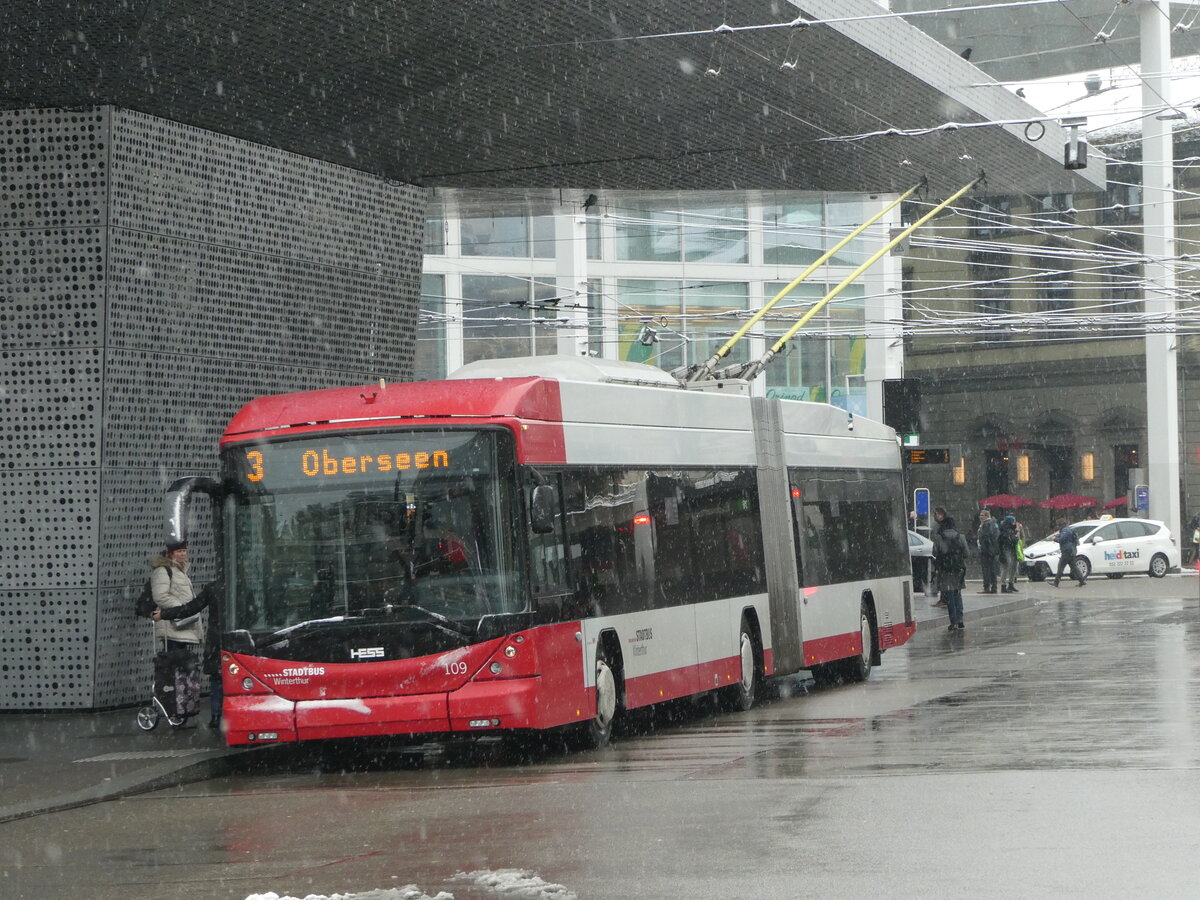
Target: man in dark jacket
988, 539
950, 548
940, 517
1068, 547
1010, 535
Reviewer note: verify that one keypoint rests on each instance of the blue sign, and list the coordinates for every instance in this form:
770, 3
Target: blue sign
1141, 497
921, 501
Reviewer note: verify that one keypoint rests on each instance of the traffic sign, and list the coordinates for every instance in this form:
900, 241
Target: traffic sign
921, 501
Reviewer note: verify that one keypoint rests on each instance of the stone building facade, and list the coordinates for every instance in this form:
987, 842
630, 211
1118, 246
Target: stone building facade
1026, 336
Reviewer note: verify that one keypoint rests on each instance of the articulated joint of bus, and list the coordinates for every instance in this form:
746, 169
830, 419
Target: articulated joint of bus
494, 685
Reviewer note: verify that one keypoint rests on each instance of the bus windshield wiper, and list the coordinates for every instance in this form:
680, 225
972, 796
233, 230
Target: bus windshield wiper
284, 632
438, 620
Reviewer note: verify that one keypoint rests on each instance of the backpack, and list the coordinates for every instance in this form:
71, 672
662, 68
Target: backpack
144, 605
1067, 539
989, 536
951, 556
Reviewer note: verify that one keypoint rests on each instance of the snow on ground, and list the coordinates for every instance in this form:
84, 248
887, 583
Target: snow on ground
517, 883
507, 883
408, 892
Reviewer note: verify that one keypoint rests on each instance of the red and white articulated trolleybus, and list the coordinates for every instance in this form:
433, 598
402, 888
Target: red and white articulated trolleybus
542, 544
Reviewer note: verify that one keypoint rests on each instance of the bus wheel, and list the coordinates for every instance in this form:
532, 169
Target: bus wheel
858, 668
740, 697
596, 732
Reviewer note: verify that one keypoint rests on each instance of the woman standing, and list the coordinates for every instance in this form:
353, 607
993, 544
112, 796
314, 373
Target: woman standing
1010, 533
181, 638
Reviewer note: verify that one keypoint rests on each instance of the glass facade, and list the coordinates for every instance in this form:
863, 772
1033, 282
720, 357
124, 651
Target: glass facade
689, 321
668, 281
715, 235
826, 360
430, 359
648, 235
495, 236
504, 316
793, 233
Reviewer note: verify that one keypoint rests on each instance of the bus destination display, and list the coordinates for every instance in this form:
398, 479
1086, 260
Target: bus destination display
342, 460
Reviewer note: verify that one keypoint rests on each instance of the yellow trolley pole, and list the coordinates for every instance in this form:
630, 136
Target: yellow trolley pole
705, 370
752, 371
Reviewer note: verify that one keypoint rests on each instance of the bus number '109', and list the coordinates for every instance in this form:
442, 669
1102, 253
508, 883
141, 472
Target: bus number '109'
456, 668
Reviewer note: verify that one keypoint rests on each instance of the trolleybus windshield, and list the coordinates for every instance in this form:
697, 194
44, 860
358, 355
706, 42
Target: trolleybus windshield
390, 526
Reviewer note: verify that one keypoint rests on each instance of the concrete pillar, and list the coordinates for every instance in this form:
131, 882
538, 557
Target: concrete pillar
1158, 183
571, 279
884, 310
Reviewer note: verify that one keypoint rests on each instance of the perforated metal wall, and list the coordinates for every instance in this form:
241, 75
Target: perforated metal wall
155, 277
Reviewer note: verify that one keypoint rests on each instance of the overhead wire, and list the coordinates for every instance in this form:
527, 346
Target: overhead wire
1106, 259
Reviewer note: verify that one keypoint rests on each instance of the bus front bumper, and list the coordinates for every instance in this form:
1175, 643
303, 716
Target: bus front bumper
475, 707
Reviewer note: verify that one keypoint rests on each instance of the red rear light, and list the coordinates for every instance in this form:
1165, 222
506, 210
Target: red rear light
642, 519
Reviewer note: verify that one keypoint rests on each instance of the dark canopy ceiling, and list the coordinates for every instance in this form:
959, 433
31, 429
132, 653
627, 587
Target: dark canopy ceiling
522, 93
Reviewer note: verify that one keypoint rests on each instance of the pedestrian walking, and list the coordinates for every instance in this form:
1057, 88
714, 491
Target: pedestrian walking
988, 540
951, 551
1009, 537
939, 517
179, 638
1068, 546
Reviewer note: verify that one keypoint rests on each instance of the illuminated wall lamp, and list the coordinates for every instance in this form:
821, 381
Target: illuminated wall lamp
1023, 469
960, 472
1087, 466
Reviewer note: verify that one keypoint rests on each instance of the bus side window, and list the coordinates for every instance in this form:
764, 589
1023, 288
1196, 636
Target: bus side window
547, 552
798, 533
591, 539
814, 527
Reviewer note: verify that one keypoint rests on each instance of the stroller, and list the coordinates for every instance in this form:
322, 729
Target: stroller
176, 690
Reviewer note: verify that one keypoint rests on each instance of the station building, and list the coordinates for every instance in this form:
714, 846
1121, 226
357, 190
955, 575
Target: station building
1026, 334
667, 279
200, 206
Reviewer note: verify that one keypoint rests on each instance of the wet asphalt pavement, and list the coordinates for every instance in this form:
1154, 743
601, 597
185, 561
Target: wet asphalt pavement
1052, 750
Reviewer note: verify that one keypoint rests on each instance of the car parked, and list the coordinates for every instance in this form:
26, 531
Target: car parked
919, 545
920, 551
1110, 547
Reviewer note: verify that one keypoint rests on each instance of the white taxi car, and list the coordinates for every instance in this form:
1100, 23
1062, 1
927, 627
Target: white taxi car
1108, 546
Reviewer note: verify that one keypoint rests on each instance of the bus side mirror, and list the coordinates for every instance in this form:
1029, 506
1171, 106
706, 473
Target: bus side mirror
542, 507
178, 499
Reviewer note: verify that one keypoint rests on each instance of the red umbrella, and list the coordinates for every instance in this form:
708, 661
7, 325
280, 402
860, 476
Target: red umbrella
1005, 501
1069, 501
1113, 504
